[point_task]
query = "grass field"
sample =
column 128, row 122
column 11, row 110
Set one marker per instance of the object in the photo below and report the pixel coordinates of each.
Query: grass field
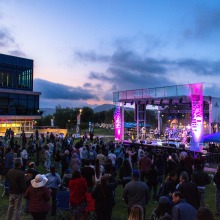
column 120, row 209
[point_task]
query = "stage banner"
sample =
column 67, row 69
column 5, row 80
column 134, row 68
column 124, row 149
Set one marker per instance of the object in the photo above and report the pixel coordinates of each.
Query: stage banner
column 118, row 125
column 197, row 116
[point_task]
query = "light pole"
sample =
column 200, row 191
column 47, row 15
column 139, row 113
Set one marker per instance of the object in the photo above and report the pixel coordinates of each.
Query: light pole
column 78, row 130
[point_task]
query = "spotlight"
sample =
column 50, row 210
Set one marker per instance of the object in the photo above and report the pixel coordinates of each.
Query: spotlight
column 132, row 102
column 161, row 101
column 180, row 100
column 170, row 101
column 152, row 102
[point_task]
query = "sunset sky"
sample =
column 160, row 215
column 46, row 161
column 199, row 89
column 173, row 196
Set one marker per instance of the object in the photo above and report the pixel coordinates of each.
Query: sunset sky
column 83, row 50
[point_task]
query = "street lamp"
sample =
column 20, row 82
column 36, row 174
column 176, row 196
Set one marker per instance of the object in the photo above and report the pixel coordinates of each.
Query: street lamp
column 78, row 130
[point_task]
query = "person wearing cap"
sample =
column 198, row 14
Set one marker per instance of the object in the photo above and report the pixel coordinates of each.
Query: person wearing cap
column 136, row 192
column 16, row 181
column 38, row 196
column 164, row 208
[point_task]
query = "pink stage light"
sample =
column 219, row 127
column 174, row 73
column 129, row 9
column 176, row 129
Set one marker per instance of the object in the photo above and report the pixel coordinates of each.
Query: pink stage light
column 117, row 123
column 197, row 114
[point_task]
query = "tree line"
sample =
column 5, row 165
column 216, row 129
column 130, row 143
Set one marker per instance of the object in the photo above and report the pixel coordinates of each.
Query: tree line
column 67, row 117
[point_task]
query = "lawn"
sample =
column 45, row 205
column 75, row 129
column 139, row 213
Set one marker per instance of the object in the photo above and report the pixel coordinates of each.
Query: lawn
column 120, row 209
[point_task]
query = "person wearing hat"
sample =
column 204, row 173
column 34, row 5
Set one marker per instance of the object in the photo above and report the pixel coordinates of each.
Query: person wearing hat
column 136, row 192
column 164, row 208
column 38, row 196
column 30, row 174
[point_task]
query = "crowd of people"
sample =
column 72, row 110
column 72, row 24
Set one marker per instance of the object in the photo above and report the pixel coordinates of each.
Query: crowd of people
column 90, row 167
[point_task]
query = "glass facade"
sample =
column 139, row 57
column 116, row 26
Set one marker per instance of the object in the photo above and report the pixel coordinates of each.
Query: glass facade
column 19, row 105
column 16, row 73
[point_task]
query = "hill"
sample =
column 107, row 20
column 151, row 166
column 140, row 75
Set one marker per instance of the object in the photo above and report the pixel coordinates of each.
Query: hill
column 104, row 107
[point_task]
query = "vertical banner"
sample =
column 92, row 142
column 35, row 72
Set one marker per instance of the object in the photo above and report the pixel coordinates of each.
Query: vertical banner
column 197, row 116
column 118, row 123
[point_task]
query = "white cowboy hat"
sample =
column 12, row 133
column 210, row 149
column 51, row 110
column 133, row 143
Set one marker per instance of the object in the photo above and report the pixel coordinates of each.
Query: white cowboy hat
column 40, row 180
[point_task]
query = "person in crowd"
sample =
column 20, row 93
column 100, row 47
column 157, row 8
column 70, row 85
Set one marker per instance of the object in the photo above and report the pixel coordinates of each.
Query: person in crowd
column 216, row 180
column 53, row 183
column 47, row 155
column 169, row 185
column 181, row 209
column 144, row 165
column 65, row 162
column 99, row 170
column 16, row 181
column 125, row 171
column 201, row 179
column 112, row 157
column 24, row 157
column 152, row 180
column 101, row 157
column 159, row 163
column 38, row 150
column 89, row 174
column 57, row 160
column 30, row 174
column 136, row 213
column 188, row 163
column 67, row 177
column 78, row 189
column 92, row 155
column 38, row 196
column 164, row 207
column 136, row 192
column 204, row 213
column 103, row 194
column 9, row 159
column 75, row 162
column 84, row 155
column 189, row 190
column 170, row 166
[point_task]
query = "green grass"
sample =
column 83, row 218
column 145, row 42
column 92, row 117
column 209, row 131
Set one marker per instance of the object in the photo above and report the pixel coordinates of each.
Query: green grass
column 120, row 209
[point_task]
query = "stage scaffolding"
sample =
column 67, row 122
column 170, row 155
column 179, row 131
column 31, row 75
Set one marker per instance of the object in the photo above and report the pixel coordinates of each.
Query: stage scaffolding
column 190, row 95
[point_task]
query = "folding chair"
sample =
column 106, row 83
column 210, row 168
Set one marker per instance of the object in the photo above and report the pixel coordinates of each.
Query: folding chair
column 63, row 209
column 90, row 209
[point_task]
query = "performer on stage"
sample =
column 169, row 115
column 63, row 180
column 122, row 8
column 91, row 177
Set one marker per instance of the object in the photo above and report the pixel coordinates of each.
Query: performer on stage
column 143, row 133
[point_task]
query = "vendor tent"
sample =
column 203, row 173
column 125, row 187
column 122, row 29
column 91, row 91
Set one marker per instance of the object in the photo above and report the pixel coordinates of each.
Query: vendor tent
column 134, row 124
column 215, row 137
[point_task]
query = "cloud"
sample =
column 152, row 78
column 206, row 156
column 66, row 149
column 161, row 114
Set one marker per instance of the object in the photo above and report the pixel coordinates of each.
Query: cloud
column 206, row 24
column 56, row 91
column 5, row 38
column 90, row 56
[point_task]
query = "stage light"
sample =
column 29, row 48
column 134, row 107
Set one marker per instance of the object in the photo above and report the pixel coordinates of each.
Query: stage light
column 170, row 101
column 139, row 102
column 132, row 102
column 180, row 100
column 161, row 101
column 162, row 115
column 152, row 102
column 183, row 115
column 147, row 101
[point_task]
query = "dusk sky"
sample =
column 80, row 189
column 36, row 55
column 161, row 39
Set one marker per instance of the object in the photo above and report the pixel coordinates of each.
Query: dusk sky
column 83, row 50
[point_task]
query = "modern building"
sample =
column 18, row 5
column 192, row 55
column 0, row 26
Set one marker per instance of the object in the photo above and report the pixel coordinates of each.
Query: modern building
column 19, row 104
